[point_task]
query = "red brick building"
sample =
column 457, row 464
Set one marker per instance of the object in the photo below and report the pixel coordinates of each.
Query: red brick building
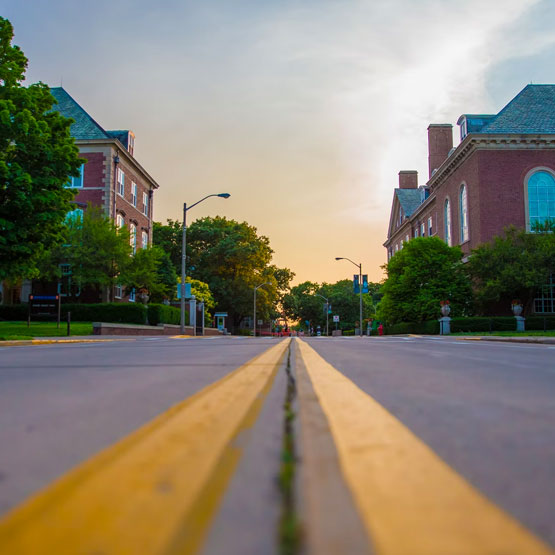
column 111, row 177
column 501, row 173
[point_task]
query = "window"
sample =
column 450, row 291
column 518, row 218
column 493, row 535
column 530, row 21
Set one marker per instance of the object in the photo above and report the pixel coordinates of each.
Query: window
column 120, row 182
column 430, row 228
column 407, row 238
column 118, row 291
column 422, row 230
column 133, row 193
column 133, row 237
column 396, row 248
column 447, row 221
column 76, row 182
column 132, row 295
column 463, row 205
column 545, row 299
column 120, row 222
column 145, row 204
column 400, row 217
column 541, row 199
column 416, row 231
column 144, row 237
column 74, row 216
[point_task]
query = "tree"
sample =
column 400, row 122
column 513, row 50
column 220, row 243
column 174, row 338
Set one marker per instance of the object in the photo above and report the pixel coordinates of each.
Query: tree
column 304, row 303
column 202, row 293
column 169, row 238
column 232, row 259
column 148, row 271
column 425, row 272
column 513, row 266
column 37, row 156
column 96, row 253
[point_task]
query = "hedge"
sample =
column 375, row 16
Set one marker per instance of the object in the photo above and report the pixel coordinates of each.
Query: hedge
column 475, row 324
column 163, row 314
column 128, row 313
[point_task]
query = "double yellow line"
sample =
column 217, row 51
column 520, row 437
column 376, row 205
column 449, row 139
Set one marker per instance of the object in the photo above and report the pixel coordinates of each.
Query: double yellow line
column 155, row 491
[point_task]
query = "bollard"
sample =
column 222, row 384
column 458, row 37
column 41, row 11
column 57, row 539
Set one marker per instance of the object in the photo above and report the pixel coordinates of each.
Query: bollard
column 69, row 323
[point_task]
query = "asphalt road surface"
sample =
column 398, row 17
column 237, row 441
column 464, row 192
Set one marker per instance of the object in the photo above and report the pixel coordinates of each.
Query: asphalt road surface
column 485, row 409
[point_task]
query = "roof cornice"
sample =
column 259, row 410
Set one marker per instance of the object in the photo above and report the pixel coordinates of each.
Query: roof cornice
column 123, row 151
column 489, row 141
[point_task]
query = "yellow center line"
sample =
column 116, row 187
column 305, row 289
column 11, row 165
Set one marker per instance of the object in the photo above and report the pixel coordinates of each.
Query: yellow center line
column 156, row 490
column 410, row 500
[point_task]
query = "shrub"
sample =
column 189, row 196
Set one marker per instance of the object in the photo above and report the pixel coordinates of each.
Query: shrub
column 14, row 312
column 163, row 314
column 430, row 327
column 117, row 313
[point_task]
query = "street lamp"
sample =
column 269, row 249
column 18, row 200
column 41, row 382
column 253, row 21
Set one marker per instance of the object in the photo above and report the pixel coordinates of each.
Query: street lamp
column 183, row 255
column 254, row 312
column 359, row 266
column 327, row 310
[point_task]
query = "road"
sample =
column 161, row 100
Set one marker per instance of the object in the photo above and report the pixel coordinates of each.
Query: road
column 457, row 430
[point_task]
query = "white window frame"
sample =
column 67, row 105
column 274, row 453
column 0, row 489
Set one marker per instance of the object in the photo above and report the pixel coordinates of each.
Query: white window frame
column 118, row 291
column 133, row 193
column 120, row 221
column 120, row 182
column 423, row 230
column 145, row 204
column 132, row 295
column 463, row 210
column 144, row 239
column 430, row 226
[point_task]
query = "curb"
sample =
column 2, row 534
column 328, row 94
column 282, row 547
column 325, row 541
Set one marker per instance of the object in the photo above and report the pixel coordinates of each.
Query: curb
column 27, row 342
column 500, row 339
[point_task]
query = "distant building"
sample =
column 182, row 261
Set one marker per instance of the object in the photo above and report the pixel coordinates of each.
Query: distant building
column 502, row 173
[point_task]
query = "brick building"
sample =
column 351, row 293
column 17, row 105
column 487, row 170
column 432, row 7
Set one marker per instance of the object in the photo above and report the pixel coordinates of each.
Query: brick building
column 501, row 173
column 111, row 177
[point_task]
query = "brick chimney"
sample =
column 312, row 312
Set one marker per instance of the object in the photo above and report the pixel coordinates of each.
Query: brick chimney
column 408, row 179
column 440, row 142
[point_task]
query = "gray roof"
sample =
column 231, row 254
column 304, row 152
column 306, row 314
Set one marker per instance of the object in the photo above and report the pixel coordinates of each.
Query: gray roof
column 530, row 111
column 84, row 126
column 409, row 199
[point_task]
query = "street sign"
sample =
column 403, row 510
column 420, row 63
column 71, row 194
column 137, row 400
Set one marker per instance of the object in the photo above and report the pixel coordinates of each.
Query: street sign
column 260, row 322
column 336, row 317
column 188, row 293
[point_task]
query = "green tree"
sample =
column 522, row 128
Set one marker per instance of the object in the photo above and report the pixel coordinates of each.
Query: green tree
column 232, row 259
column 147, row 271
column 425, row 272
column 169, row 238
column 37, row 155
column 97, row 253
column 304, row 303
column 513, row 266
column 202, row 293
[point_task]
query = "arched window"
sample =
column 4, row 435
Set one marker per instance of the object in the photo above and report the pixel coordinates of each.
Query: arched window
column 144, row 237
column 463, row 210
column 541, row 198
column 120, row 222
column 447, row 221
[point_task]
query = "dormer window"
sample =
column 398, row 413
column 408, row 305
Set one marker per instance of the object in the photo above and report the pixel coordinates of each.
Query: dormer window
column 464, row 131
column 131, row 143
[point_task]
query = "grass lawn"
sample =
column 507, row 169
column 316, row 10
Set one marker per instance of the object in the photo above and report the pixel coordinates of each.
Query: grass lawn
column 537, row 333
column 19, row 330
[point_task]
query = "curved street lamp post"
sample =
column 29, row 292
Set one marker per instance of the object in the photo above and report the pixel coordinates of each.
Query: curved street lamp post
column 254, row 311
column 359, row 266
column 183, row 256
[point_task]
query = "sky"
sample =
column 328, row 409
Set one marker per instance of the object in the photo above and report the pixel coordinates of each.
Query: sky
column 305, row 111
